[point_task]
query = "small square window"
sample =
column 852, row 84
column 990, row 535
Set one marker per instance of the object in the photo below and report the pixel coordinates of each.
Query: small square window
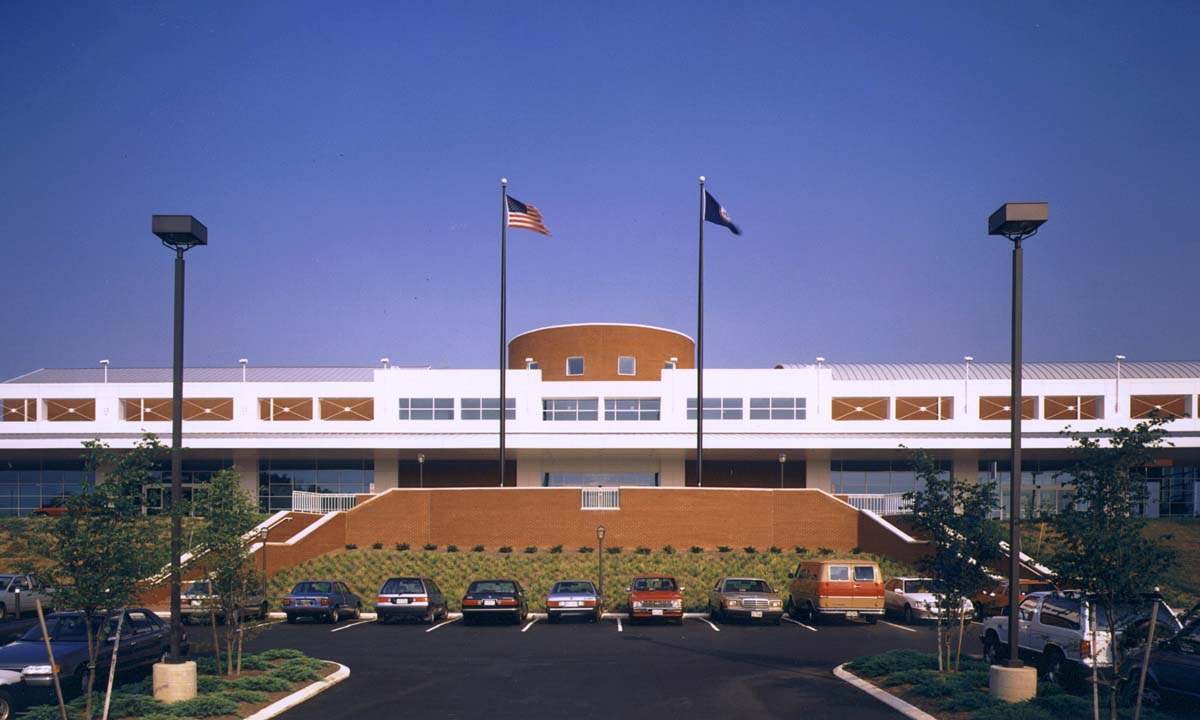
column 626, row 366
column 574, row 366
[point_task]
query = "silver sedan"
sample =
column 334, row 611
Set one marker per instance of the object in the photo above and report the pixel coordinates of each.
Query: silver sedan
column 573, row 597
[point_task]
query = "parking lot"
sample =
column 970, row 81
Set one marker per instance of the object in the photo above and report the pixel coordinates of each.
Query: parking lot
column 607, row 669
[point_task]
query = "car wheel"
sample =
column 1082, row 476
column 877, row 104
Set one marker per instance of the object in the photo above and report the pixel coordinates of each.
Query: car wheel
column 291, row 619
column 993, row 653
column 810, row 614
column 778, row 620
column 677, row 621
column 789, row 607
column 1054, row 668
column 333, row 616
column 357, row 612
column 595, row 616
column 3, row 613
column 908, row 615
column 6, row 705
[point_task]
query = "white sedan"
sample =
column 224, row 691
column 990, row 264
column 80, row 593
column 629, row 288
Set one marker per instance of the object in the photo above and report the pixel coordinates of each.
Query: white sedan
column 916, row 599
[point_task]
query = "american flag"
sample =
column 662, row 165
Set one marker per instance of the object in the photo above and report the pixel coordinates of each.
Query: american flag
column 525, row 216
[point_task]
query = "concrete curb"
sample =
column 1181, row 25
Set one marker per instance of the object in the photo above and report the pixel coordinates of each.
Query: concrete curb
column 882, row 696
column 287, row 703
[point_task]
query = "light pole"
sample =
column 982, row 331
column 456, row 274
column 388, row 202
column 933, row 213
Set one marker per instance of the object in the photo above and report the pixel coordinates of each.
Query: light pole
column 180, row 233
column 421, row 468
column 782, row 460
column 105, row 364
column 600, row 538
column 1117, row 406
column 820, row 362
column 243, row 362
column 1017, row 222
column 967, row 359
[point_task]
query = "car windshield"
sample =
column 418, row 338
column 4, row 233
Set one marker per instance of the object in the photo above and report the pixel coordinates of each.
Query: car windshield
column 573, row 587
column 493, row 586
column 200, row 587
column 318, row 588
column 752, row 586
column 919, row 586
column 400, row 586
column 67, row 628
column 654, row 584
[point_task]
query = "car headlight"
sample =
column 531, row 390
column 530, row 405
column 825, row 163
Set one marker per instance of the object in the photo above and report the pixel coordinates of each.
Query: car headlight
column 39, row 670
column 637, row 604
column 676, row 604
column 921, row 604
column 731, row 602
column 776, row 603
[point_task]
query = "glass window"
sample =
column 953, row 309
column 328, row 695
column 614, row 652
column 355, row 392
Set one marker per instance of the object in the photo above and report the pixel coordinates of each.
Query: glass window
column 487, row 409
column 864, row 573
column 839, row 573
column 626, row 365
column 669, row 365
column 778, row 408
column 585, row 479
column 1060, row 612
column 426, row 408
column 717, row 408
column 570, row 409
column 574, row 366
column 876, row 477
column 632, row 408
column 277, row 479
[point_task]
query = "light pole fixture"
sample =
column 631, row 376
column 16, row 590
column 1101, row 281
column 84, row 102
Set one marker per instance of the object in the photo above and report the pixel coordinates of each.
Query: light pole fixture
column 104, row 363
column 179, row 233
column 967, row 360
column 1117, row 405
column 421, row 468
column 386, row 363
column 820, row 363
column 600, row 591
column 782, row 461
column 1017, row 222
column 243, row 361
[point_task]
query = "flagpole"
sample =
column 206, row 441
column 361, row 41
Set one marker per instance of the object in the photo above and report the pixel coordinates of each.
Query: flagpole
column 700, row 351
column 503, row 313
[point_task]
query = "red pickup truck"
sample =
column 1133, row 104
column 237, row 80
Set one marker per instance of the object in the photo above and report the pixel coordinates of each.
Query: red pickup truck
column 653, row 596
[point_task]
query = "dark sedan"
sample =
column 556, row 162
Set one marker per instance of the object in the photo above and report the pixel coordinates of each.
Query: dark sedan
column 327, row 600
column 144, row 641
column 1171, row 676
column 494, row 598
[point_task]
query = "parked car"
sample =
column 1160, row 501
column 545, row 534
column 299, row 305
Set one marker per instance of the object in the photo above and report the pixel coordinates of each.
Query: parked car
column 994, row 600
column 653, row 596
column 494, row 598
column 917, row 599
column 749, row 598
column 1173, row 674
column 10, row 690
column 144, row 641
column 197, row 602
column 1054, row 631
column 410, row 597
column 328, row 600
column 26, row 589
column 573, row 597
column 836, row 588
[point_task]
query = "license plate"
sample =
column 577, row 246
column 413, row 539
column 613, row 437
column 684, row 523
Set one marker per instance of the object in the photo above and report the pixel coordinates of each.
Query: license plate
column 756, row 613
column 400, row 601
column 656, row 612
column 851, row 613
column 570, row 603
column 306, row 602
column 195, row 603
column 489, row 602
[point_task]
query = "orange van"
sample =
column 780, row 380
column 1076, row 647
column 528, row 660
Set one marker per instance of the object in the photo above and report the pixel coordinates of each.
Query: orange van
column 841, row 588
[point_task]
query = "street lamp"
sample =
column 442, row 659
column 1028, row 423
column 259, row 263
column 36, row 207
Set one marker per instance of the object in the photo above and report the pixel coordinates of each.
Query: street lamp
column 1117, row 406
column 1017, row 222
column 782, row 460
column 180, row 233
column 421, row 468
column 967, row 360
column 600, row 538
column 386, row 363
column 105, row 364
column 243, row 362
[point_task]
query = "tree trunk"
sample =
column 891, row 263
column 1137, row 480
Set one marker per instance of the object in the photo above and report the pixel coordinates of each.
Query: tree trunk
column 241, row 636
column 941, row 668
column 112, row 668
column 958, row 653
column 212, row 616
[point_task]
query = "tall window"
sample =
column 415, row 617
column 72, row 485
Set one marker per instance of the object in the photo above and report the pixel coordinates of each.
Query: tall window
column 26, row 486
column 574, row 366
column 632, row 408
column 626, row 365
column 278, row 478
column 487, row 409
column 778, row 408
column 426, row 408
column 570, row 409
column 717, row 408
column 871, row 477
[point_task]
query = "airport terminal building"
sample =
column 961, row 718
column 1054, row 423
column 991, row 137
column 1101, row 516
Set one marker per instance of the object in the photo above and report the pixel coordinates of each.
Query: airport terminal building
column 596, row 405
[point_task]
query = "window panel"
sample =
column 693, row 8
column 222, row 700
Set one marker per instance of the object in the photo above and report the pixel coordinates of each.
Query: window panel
column 860, row 408
column 924, row 408
column 285, row 409
column 570, row 409
column 351, row 409
column 717, row 408
column 778, row 408
column 426, row 408
column 1149, row 406
column 487, row 409
column 999, row 407
column 18, row 410
column 574, row 366
column 632, row 408
column 626, row 365
column 1073, row 407
column 71, row 410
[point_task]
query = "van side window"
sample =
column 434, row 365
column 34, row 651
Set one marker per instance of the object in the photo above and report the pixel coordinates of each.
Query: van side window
column 839, row 573
column 864, row 573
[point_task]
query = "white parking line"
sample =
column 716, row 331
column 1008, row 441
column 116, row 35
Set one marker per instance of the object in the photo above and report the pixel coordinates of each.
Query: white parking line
column 796, row 622
column 444, row 624
column 245, row 628
column 531, row 622
column 901, row 627
column 710, row 623
column 619, row 627
column 347, row 627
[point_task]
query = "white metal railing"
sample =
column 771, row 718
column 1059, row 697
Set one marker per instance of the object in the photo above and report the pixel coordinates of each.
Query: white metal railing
column 881, row 504
column 600, row 498
column 322, row 503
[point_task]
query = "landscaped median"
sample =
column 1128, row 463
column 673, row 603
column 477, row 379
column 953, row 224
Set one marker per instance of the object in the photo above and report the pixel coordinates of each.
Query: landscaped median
column 913, row 678
column 270, row 683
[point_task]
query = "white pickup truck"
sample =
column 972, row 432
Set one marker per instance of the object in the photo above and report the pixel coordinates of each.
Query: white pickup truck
column 24, row 589
column 1054, row 631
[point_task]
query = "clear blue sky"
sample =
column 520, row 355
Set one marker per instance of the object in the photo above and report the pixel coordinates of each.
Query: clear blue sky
column 347, row 162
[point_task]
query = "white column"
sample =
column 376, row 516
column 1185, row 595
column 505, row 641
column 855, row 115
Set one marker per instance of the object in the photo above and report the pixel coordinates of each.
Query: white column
column 245, row 464
column 387, row 469
column 817, row 474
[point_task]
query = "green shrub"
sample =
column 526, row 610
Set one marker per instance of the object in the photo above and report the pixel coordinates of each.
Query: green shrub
column 263, row 683
column 506, row 548
column 207, row 665
column 1064, row 706
column 971, row 701
column 893, row 661
column 430, row 547
column 824, row 551
column 750, row 549
column 294, row 673
column 585, row 549
column 613, row 550
column 910, row 677
column 205, row 706
column 253, row 662
column 451, row 548
column 668, row 550
column 530, row 549
column 856, row 550
column 723, row 548
column 145, row 686
column 246, row 696
column 801, row 550
column 641, row 550
column 1015, row 711
column 349, row 546
column 402, row 546
column 696, row 549
column 478, row 548
column 281, row 654
column 123, row 705
column 775, row 550
column 556, row 550
column 210, row 684
column 377, row 546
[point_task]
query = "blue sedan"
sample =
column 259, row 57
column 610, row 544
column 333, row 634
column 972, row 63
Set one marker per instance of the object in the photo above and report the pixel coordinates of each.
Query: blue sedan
column 328, row 600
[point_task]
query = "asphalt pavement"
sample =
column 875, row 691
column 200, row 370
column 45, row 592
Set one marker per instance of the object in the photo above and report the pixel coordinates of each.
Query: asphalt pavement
column 603, row 670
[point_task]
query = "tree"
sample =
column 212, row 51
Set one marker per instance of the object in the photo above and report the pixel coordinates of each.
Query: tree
column 103, row 544
column 222, row 539
column 1102, row 549
column 955, row 515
